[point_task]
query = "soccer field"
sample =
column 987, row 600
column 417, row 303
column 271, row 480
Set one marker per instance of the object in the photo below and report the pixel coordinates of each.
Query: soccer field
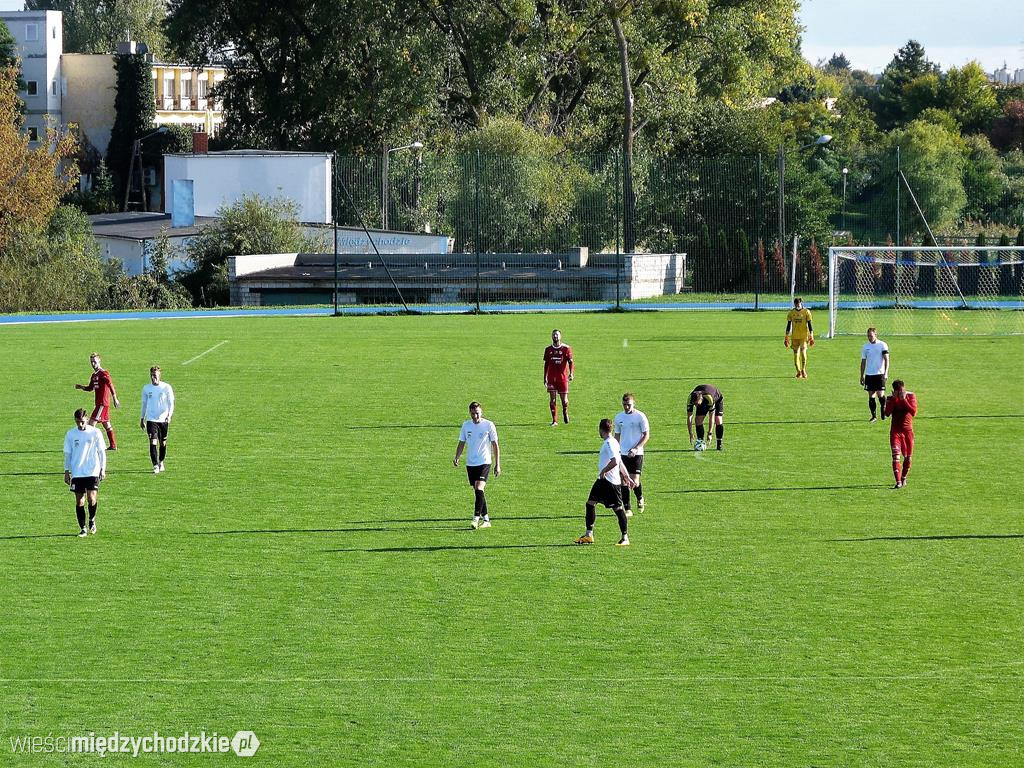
column 305, row 569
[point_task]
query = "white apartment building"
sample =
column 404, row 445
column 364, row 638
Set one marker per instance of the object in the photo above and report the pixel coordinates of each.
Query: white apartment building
column 39, row 41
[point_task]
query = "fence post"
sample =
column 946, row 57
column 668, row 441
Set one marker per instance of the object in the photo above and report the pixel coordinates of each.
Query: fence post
column 334, row 220
column 760, row 231
column 476, row 238
column 899, row 171
column 618, row 246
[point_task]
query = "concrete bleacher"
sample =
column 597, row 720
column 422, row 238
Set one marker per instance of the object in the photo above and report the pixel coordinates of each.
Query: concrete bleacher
column 576, row 275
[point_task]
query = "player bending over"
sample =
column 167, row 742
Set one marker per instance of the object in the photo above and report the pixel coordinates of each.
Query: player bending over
column 799, row 335
column 103, row 386
column 703, row 400
column 85, row 464
column 480, row 435
column 558, row 372
column 901, row 408
column 611, row 476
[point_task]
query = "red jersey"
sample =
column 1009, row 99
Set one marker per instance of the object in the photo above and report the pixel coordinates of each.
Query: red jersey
column 557, row 362
column 901, row 412
column 102, row 385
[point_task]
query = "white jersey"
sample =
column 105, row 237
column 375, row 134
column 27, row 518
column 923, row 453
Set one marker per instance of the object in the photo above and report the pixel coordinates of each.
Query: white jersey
column 874, row 354
column 478, row 439
column 610, row 450
column 630, row 427
column 157, row 402
column 85, row 454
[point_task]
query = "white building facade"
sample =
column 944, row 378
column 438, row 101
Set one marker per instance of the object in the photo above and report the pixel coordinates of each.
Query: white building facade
column 39, row 42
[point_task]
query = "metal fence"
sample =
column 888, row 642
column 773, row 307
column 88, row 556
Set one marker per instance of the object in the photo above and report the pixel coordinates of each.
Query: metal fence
column 517, row 223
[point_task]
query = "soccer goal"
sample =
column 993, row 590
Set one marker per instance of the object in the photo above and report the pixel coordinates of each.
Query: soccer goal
column 917, row 290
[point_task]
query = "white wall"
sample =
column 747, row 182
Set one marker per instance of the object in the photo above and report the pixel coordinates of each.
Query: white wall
column 133, row 254
column 225, row 178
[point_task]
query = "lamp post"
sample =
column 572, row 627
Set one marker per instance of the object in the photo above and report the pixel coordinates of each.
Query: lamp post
column 821, row 140
column 843, row 220
column 137, row 152
column 384, row 179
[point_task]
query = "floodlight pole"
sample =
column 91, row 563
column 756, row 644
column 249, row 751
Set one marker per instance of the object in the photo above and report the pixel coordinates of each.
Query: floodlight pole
column 334, row 221
column 385, row 160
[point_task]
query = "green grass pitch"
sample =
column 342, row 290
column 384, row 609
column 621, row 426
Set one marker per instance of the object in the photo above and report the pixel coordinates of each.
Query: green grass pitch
column 305, row 567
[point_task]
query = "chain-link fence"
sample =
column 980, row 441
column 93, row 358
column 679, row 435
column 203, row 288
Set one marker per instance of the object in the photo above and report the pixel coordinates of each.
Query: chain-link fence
column 561, row 228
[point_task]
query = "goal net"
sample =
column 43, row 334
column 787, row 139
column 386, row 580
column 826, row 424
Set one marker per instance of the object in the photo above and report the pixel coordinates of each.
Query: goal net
column 917, row 290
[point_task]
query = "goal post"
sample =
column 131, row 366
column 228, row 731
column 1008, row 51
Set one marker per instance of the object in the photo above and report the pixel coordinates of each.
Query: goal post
column 919, row 290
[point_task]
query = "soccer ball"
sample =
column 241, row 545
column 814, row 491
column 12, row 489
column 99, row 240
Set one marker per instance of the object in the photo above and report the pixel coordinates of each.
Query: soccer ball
column 699, row 446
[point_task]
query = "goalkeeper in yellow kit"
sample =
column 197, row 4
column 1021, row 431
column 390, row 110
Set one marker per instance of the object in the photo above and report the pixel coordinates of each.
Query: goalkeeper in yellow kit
column 799, row 335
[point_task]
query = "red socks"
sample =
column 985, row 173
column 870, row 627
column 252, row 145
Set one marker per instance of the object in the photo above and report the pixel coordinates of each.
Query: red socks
column 906, row 467
column 110, row 437
column 896, row 469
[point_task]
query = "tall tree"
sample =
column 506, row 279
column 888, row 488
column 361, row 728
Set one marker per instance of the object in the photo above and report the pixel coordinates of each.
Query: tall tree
column 97, row 26
column 969, row 98
column 32, row 181
column 910, row 62
column 134, row 114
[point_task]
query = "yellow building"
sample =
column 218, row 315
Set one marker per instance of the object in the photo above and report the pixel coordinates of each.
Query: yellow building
column 183, row 96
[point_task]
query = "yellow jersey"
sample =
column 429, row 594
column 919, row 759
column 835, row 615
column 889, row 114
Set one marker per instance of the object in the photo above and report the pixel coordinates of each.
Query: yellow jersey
column 799, row 319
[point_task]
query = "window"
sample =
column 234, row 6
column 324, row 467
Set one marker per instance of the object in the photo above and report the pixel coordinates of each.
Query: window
column 33, row 134
column 53, row 88
column 31, row 33
column 53, row 32
column 202, row 88
column 32, row 88
column 186, row 89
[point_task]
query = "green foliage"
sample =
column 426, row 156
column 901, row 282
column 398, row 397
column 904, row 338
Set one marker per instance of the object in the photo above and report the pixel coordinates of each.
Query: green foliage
column 909, row 63
column 969, row 97
column 984, row 180
column 100, row 199
column 933, row 161
column 97, row 26
column 9, row 55
column 252, row 225
column 1007, row 131
column 55, row 268
column 134, row 114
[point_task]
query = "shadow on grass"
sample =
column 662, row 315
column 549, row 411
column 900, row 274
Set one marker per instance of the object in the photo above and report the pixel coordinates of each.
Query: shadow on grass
column 918, row 418
column 61, row 473
column 38, row 536
column 453, row 425
column 290, row 530
column 783, row 488
column 949, row 537
column 448, row 548
column 3, row 453
column 712, row 378
column 465, row 519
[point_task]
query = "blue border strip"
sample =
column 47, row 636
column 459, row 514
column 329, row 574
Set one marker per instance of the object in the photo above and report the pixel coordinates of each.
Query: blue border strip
column 441, row 309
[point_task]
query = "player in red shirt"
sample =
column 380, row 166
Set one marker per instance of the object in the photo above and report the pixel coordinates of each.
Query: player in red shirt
column 558, row 372
column 901, row 408
column 103, row 386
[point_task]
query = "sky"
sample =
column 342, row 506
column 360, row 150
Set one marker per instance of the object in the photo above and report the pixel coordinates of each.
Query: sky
column 870, row 31
column 952, row 32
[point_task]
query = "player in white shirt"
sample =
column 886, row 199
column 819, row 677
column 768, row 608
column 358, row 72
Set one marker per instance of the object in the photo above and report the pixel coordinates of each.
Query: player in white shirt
column 477, row 438
column 611, row 476
column 157, row 410
column 85, row 464
column 874, row 370
column 632, row 430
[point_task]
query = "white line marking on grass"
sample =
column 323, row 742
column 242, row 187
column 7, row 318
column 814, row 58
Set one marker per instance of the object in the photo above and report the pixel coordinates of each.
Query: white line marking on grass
column 221, row 344
column 989, row 671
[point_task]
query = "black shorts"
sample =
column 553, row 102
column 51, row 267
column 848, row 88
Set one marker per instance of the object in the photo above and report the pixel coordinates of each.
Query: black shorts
column 479, row 472
column 719, row 409
column 874, row 382
column 633, row 464
column 82, row 484
column 605, row 493
column 157, row 430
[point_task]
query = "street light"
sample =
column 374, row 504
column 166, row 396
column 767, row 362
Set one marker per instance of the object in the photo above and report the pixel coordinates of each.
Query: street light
column 384, row 179
column 825, row 138
column 137, row 152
